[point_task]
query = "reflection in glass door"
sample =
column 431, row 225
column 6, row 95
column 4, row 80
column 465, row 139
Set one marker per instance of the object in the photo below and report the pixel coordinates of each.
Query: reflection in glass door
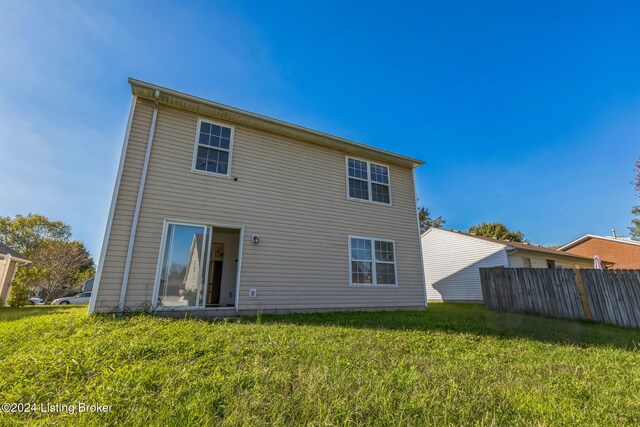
column 184, row 266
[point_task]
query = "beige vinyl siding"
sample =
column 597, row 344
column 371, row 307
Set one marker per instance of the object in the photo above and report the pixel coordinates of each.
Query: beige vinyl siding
column 7, row 272
column 108, row 292
column 291, row 193
column 452, row 263
column 539, row 260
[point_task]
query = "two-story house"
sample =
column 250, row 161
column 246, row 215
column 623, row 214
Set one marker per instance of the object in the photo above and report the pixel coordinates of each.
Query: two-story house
column 220, row 211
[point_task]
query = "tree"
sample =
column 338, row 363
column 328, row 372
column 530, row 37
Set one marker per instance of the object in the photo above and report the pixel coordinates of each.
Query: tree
column 634, row 230
column 23, row 233
column 426, row 221
column 21, row 287
column 496, row 230
column 635, row 227
column 54, row 256
column 59, row 264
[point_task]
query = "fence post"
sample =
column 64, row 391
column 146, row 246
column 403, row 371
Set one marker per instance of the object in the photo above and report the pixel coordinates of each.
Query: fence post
column 583, row 293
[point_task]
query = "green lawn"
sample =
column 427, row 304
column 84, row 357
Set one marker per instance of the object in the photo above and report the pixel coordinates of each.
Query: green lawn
column 449, row 365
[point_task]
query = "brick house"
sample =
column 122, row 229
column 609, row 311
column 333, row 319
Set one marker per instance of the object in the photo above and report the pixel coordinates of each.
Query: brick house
column 622, row 251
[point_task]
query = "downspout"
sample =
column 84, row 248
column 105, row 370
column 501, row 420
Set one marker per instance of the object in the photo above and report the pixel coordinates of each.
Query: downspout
column 510, row 250
column 136, row 212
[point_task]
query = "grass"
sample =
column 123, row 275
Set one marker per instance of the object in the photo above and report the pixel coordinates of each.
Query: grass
column 449, row 365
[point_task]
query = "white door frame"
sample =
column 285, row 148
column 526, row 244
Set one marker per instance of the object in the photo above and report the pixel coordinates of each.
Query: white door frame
column 161, row 253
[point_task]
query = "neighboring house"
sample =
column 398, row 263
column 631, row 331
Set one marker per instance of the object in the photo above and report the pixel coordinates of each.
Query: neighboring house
column 258, row 213
column 10, row 260
column 87, row 286
column 452, row 262
column 622, row 251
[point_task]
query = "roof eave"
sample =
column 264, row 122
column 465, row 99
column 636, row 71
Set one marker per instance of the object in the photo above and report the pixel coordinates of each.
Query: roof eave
column 593, row 236
column 575, row 242
column 560, row 254
column 202, row 106
column 15, row 258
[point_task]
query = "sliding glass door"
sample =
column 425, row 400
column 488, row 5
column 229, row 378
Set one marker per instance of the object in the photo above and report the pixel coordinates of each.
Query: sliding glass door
column 184, row 265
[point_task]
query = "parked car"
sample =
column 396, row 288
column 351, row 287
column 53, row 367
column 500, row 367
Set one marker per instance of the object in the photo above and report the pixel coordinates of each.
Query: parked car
column 35, row 301
column 82, row 298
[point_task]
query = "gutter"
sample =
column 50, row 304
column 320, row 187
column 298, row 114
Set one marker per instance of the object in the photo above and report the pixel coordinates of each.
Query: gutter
column 269, row 121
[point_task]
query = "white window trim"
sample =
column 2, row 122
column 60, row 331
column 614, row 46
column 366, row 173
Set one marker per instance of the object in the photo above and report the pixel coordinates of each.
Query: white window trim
column 374, row 278
column 156, row 284
column 197, row 144
column 368, row 162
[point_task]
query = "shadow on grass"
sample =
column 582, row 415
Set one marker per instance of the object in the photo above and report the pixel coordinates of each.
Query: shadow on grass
column 471, row 319
column 451, row 318
column 17, row 313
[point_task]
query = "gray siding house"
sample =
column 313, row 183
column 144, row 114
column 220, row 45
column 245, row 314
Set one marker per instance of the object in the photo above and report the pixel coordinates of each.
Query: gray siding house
column 220, row 211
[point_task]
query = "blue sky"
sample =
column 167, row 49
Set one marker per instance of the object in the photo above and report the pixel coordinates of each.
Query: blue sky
column 525, row 113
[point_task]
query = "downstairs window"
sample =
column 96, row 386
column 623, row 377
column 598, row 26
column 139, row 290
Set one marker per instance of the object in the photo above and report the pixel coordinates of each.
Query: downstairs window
column 372, row 262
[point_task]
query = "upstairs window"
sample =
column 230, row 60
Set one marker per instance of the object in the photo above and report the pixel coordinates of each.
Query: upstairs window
column 213, row 148
column 368, row 181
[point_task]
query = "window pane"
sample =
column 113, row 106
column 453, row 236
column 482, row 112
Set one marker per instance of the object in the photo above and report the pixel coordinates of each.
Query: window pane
column 212, row 167
column 223, row 162
column 380, row 193
column 202, row 152
column 379, row 174
column 201, row 163
column 361, row 272
column 384, row 251
column 213, row 155
column 214, row 135
column 212, row 160
column 385, row 274
column 357, row 169
column 214, row 141
column 361, row 249
column 222, row 168
column 204, row 138
column 181, row 267
column 358, row 189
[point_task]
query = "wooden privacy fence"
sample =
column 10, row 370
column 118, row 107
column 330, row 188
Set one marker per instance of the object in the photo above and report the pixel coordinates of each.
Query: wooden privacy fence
column 608, row 296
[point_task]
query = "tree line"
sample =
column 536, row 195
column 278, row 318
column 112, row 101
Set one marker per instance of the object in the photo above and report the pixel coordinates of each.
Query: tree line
column 634, row 230
column 59, row 265
column 494, row 230
column 500, row 231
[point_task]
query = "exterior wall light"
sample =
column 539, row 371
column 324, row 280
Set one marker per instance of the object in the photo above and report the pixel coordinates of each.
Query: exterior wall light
column 255, row 239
